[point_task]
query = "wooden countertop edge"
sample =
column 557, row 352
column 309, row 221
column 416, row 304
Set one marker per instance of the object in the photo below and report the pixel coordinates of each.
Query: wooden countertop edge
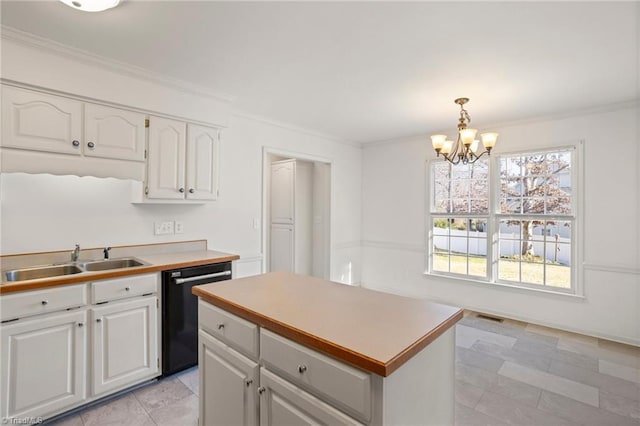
column 12, row 287
column 336, row 351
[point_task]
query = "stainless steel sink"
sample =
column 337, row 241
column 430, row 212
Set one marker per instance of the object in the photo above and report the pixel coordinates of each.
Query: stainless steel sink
column 104, row 265
column 41, row 272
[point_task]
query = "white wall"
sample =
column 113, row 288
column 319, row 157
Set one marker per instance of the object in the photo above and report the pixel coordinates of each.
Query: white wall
column 394, row 227
column 43, row 212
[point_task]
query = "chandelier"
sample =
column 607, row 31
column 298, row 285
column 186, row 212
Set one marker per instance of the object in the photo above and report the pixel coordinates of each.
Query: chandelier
column 465, row 149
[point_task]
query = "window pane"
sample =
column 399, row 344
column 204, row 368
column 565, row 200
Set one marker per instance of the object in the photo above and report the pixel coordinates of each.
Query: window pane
column 509, row 269
column 440, row 261
column 532, row 272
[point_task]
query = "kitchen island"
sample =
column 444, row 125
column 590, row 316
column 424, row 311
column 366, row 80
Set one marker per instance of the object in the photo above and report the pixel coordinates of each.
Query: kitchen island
column 281, row 348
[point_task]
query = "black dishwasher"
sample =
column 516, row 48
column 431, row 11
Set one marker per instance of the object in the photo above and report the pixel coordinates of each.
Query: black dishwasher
column 180, row 313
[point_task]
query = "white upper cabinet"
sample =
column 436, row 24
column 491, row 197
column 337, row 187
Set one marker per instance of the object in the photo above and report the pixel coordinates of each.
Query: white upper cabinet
column 202, row 163
column 183, row 161
column 282, row 191
column 113, row 133
column 166, row 162
column 40, row 122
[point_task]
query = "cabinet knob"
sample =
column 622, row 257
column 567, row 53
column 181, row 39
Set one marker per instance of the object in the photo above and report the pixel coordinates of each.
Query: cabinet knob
column 127, row 288
column 191, row 190
column 302, row 368
column 45, row 302
column 220, row 326
column 98, row 319
column 80, row 324
column 248, row 382
column 181, row 189
column 261, row 390
column 75, row 143
column 91, row 145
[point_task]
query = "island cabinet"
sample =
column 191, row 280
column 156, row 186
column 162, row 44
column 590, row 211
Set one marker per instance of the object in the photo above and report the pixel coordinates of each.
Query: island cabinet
column 281, row 348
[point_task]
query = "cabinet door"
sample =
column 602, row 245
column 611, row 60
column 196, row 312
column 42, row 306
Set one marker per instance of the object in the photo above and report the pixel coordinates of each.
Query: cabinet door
column 282, row 192
column 281, row 253
column 282, row 403
column 202, row 163
column 113, row 133
column 43, row 364
column 165, row 165
column 125, row 343
column 228, row 385
column 35, row 121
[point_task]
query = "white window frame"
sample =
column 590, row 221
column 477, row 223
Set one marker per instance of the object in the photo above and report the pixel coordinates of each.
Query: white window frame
column 494, row 217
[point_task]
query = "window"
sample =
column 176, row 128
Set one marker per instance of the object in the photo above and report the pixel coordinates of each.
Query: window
column 511, row 220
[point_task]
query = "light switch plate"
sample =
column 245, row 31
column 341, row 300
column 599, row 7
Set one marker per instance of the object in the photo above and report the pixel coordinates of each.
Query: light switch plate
column 178, row 227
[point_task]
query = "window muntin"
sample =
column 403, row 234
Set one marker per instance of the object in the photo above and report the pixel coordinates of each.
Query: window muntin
column 532, row 222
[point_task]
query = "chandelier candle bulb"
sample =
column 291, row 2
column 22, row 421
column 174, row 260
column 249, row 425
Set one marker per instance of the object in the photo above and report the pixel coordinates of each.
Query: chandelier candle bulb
column 468, row 135
column 489, row 139
column 438, row 141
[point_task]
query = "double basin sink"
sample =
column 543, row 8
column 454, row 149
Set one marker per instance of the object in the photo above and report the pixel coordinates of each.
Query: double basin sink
column 50, row 271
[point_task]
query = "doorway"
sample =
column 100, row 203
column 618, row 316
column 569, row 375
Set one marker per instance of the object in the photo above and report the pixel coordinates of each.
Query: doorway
column 296, row 213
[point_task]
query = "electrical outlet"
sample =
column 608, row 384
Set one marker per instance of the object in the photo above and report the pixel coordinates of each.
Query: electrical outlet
column 163, row 228
column 178, row 227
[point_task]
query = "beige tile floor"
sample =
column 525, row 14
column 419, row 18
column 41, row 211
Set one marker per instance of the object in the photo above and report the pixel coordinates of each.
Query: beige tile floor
column 509, row 373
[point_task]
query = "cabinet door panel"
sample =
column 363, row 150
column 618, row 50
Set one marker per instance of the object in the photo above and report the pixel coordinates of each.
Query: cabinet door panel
column 124, row 343
column 282, row 192
column 228, row 385
column 35, row 121
column 281, row 248
column 114, row 133
column 166, row 160
column 202, row 163
column 43, row 364
column 285, row 404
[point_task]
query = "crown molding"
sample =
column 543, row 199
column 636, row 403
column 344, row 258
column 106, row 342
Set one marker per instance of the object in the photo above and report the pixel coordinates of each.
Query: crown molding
column 49, row 46
column 601, row 109
column 297, row 129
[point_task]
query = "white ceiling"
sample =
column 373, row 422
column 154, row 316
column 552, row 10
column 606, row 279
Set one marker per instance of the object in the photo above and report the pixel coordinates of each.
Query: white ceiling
column 368, row 71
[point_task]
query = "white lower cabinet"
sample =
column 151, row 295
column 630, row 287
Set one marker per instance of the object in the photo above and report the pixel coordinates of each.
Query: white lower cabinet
column 282, row 403
column 43, row 364
column 242, row 383
column 229, row 384
column 125, row 343
column 59, row 352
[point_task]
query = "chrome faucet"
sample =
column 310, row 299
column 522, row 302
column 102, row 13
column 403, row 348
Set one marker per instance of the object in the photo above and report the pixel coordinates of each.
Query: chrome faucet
column 106, row 252
column 75, row 253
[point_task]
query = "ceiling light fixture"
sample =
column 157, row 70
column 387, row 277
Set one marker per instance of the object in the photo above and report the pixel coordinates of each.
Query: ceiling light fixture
column 91, row 5
column 465, row 149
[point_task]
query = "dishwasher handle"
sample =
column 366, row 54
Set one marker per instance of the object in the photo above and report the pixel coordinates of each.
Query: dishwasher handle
column 202, row 277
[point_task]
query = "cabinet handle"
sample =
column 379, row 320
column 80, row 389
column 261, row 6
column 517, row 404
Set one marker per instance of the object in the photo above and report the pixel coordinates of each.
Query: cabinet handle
column 220, row 326
column 191, row 190
column 91, row 145
column 45, row 302
column 261, row 390
column 75, row 143
column 127, row 288
column 98, row 319
column 181, row 189
column 248, row 382
column 302, row 368
column 80, row 324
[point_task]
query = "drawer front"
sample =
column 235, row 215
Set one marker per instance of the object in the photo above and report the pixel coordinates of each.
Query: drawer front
column 231, row 329
column 121, row 288
column 28, row 303
column 344, row 386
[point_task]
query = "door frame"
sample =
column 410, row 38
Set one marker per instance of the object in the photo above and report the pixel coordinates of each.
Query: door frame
column 267, row 152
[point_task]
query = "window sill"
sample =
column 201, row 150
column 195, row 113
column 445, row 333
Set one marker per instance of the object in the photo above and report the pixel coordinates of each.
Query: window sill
column 508, row 287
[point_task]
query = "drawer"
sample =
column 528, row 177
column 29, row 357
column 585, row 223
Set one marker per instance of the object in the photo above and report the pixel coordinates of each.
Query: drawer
column 121, row 288
column 28, row 303
column 231, row 329
column 344, row 386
